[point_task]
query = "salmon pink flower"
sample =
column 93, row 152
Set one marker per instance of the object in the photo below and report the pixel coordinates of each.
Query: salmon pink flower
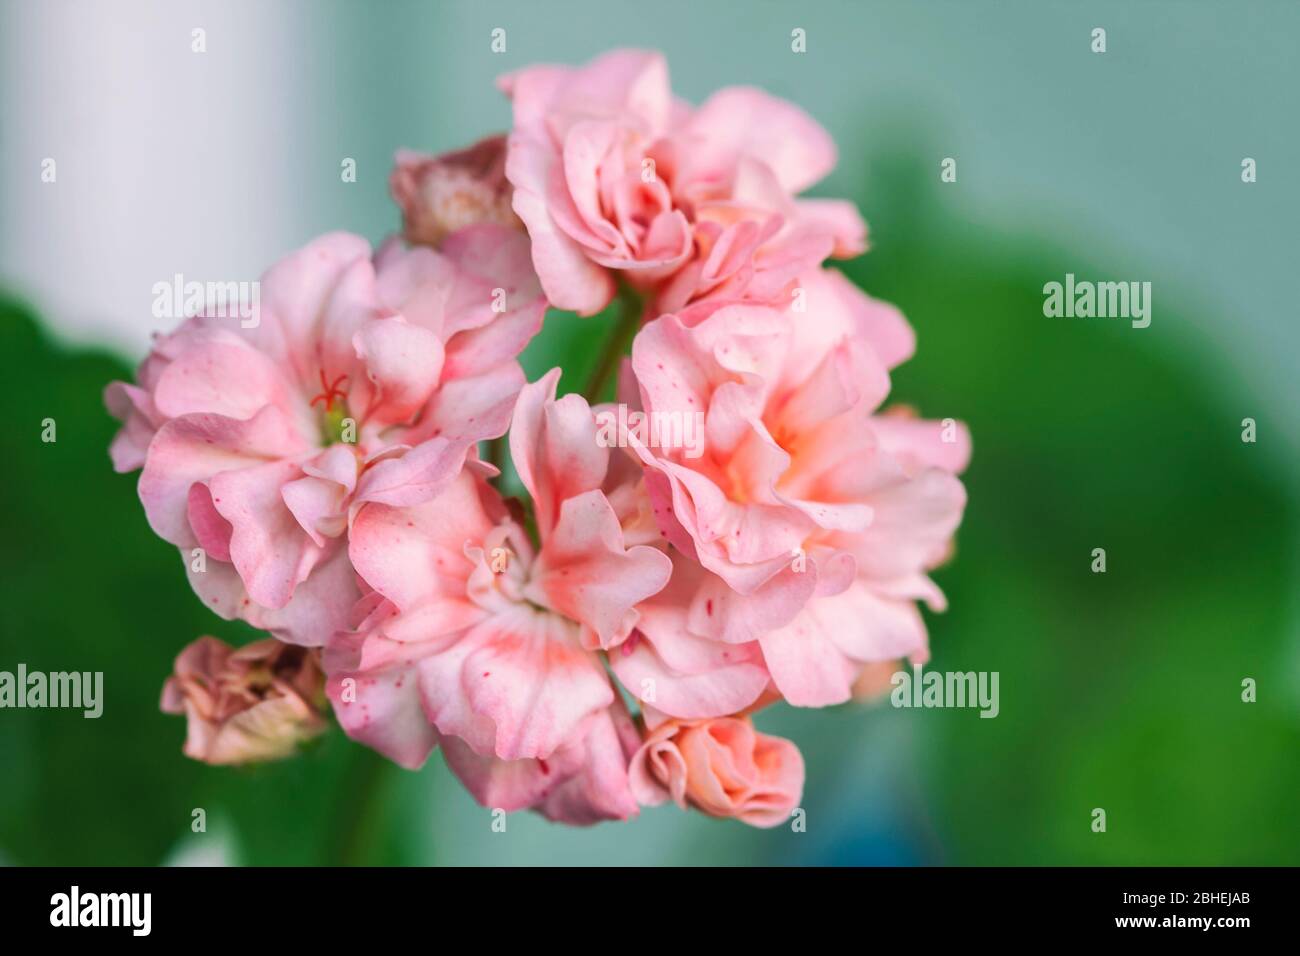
column 747, row 524
column 362, row 380
column 614, row 178
column 816, row 517
column 470, row 632
column 254, row 703
column 721, row 766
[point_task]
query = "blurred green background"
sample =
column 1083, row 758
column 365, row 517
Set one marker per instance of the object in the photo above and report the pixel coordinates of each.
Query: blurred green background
column 1119, row 690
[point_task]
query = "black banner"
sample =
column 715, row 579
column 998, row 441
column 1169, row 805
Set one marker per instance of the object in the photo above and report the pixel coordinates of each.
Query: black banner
column 327, row 905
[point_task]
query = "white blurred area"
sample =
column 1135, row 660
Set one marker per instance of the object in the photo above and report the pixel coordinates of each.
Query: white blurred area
column 167, row 160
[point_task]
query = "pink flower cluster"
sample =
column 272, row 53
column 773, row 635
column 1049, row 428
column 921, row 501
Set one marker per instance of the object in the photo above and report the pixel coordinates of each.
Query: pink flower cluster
column 604, row 643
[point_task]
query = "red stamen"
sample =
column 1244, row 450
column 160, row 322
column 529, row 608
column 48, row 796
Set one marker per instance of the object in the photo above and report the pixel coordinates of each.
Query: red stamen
column 330, row 391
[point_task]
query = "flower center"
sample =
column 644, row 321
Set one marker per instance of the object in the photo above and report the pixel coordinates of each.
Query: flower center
column 335, row 417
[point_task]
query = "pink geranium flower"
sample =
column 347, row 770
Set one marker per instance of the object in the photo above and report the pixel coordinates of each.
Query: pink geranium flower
column 816, row 518
column 614, row 178
column 363, row 380
column 603, row 644
column 472, row 633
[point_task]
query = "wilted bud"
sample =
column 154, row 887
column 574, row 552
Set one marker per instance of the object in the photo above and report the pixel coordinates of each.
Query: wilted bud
column 440, row 194
column 243, row 706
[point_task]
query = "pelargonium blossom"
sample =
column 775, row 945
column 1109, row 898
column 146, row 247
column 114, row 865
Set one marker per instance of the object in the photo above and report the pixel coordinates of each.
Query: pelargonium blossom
column 363, row 379
column 605, row 642
column 617, row 180
column 471, row 632
column 799, row 474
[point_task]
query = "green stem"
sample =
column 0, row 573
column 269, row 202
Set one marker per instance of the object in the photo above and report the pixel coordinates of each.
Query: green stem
column 617, row 345
column 355, row 816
